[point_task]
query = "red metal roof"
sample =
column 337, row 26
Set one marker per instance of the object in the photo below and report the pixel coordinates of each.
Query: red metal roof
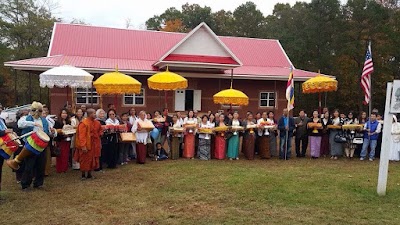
column 137, row 50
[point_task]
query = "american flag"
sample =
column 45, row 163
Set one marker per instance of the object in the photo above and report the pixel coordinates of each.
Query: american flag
column 366, row 75
column 290, row 90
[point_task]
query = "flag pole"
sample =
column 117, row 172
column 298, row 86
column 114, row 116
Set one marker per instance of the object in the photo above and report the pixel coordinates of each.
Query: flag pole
column 370, row 95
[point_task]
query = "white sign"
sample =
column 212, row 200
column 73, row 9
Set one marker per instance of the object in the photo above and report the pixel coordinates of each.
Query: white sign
column 395, row 103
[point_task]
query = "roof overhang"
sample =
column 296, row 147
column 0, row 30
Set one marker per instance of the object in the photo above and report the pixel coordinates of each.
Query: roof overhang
column 265, row 77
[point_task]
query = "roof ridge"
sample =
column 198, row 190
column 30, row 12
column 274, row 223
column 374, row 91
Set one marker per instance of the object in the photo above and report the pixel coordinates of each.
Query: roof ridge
column 158, row 31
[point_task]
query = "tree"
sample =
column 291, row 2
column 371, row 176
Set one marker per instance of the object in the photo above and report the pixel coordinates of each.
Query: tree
column 25, row 30
column 223, row 23
column 194, row 14
column 174, row 26
column 158, row 22
column 248, row 21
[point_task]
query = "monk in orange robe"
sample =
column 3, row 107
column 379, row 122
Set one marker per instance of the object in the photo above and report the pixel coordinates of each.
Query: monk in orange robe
column 88, row 144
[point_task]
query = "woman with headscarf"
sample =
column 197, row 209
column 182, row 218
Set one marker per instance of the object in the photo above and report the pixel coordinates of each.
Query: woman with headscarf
column 101, row 117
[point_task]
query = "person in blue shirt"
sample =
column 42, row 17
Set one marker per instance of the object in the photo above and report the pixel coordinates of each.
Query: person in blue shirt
column 372, row 128
column 286, row 127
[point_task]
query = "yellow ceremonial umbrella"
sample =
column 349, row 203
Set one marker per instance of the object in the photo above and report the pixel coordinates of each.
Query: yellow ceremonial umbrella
column 231, row 96
column 116, row 83
column 319, row 84
column 167, row 81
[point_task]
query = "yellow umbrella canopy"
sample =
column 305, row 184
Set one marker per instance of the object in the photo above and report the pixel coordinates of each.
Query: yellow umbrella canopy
column 319, row 84
column 167, row 81
column 231, row 96
column 117, row 83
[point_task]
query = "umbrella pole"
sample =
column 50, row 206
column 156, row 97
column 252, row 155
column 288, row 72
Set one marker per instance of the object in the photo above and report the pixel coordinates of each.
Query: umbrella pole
column 67, row 95
column 326, row 96
column 72, row 98
column 319, row 103
column 91, row 96
column 115, row 102
column 166, row 99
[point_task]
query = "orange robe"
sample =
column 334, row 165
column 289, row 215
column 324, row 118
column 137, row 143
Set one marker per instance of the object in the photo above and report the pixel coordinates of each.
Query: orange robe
column 88, row 135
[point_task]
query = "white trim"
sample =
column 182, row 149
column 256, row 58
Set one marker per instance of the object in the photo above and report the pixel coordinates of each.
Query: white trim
column 87, row 96
column 134, row 98
column 275, row 99
column 149, row 73
column 51, row 40
column 284, row 52
column 195, row 65
column 213, row 35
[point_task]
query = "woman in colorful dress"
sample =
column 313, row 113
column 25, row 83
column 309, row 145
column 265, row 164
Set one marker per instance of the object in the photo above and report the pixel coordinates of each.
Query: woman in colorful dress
column 249, row 137
column 157, row 121
column 233, row 141
column 336, row 148
column 220, row 142
column 175, row 138
column 204, row 150
column 141, row 138
column 264, row 135
column 75, row 121
column 272, row 135
column 132, row 118
column 349, row 146
column 362, row 120
column 326, row 120
column 212, row 120
column 63, row 142
column 124, row 147
column 189, row 139
column 112, row 149
column 315, row 135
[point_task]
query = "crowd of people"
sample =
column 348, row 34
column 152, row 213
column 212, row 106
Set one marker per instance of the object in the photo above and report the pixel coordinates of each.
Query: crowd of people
column 96, row 142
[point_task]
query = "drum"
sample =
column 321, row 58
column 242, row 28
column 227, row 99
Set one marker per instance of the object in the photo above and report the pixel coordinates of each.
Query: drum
column 9, row 144
column 37, row 142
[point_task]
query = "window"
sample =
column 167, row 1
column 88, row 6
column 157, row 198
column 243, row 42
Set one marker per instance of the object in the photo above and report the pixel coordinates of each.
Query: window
column 84, row 96
column 134, row 99
column 267, row 99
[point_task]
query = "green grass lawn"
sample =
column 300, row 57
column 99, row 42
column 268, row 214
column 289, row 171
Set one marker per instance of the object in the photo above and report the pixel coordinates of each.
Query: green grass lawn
column 299, row 191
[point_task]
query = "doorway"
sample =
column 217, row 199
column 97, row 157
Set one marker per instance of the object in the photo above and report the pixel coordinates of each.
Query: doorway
column 189, row 99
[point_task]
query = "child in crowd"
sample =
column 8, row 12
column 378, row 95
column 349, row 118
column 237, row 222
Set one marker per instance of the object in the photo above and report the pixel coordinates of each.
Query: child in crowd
column 161, row 154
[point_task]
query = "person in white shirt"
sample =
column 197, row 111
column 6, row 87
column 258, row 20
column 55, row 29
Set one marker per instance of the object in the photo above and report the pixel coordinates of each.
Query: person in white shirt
column 395, row 141
column 141, row 137
column 189, row 123
column 176, row 138
column 204, row 150
column 264, row 133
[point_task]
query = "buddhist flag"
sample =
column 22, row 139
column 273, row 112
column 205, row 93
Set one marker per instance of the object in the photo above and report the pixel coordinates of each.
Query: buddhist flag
column 290, row 90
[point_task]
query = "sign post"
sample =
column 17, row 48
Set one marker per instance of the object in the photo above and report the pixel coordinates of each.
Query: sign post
column 386, row 140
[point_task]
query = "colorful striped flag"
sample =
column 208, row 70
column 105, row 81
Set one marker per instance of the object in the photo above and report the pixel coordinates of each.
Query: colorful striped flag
column 290, row 90
column 366, row 75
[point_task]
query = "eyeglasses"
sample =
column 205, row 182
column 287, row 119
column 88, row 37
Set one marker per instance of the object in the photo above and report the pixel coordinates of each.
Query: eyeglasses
column 111, row 114
column 34, row 110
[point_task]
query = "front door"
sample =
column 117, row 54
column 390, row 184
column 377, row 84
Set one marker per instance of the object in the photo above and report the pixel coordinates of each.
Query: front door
column 186, row 100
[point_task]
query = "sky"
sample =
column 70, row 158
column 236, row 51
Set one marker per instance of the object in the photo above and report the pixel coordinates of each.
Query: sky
column 115, row 13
